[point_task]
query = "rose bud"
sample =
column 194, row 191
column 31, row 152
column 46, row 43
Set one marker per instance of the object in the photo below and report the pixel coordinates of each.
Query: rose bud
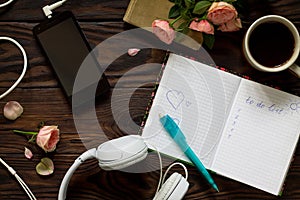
column 12, row 110
column 221, row 12
column 163, row 30
column 47, row 138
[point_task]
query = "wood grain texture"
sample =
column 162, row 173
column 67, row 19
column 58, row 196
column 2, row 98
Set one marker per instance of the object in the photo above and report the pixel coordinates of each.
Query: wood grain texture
column 43, row 100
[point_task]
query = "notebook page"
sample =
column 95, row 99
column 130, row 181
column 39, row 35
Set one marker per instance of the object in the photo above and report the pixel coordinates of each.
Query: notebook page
column 260, row 137
column 196, row 96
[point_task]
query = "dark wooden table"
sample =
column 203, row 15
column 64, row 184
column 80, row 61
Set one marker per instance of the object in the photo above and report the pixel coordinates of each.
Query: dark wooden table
column 43, row 100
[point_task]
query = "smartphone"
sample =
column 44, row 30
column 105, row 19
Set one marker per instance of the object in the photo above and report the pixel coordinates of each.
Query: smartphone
column 66, row 47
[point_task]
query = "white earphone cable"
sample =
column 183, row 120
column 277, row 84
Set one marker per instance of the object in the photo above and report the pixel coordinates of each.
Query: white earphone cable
column 161, row 177
column 160, row 168
column 176, row 163
column 10, row 169
column 21, row 182
column 24, row 66
column 6, row 3
column 25, row 187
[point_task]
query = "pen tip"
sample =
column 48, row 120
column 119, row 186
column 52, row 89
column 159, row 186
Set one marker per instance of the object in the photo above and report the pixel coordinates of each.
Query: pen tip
column 216, row 187
column 160, row 115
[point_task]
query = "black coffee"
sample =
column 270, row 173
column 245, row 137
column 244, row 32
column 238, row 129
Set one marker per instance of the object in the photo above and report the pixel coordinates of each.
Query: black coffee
column 271, row 44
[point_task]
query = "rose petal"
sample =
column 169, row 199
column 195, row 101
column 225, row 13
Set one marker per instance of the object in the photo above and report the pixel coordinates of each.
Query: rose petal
column 45, row 167
column 28, row 154
column 12, row 110
column 133, row 51
column 202, row 26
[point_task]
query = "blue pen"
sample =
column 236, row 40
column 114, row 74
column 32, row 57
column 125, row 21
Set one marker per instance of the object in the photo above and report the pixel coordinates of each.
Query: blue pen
column 177, row 135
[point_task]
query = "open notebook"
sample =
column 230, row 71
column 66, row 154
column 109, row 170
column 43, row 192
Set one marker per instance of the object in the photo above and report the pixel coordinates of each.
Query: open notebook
column 239, row 128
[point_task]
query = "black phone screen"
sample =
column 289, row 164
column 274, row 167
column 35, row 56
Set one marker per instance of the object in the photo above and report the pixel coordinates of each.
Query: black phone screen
column 66, row 47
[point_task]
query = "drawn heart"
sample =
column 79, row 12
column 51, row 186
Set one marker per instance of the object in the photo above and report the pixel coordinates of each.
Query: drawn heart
column 175, row 98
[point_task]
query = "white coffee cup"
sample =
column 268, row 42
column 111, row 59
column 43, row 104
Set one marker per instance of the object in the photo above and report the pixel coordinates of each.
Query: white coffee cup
column 250, row 51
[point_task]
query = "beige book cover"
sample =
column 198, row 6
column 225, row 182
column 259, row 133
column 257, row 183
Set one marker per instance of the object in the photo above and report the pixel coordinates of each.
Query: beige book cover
column 142, row 13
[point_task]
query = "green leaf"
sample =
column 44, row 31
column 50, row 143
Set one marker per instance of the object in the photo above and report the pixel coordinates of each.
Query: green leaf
column 184, row 27
column 186, row 14
column 208, row 40
column 189, row 3
column 174, row 12
column 179, row 2
column 201, row 7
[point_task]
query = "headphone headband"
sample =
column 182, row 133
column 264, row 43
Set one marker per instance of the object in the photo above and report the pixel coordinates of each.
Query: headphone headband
column 89, row 154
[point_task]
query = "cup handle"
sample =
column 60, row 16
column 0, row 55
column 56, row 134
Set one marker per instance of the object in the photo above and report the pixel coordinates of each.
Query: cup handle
column 295, row 69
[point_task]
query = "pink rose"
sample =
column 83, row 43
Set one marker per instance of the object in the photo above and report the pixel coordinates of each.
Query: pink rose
column 233, row 25
column 162, row 29
column 202, row 26
column 221, row 12
column 47, row 138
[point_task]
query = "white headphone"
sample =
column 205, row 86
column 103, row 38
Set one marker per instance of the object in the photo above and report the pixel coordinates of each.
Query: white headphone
column 123, row 152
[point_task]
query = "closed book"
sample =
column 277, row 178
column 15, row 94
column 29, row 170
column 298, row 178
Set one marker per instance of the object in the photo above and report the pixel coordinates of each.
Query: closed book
column 142, row 13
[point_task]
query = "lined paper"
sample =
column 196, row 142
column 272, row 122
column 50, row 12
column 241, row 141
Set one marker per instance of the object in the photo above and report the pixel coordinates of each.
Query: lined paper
column 197, row 97
column 260, row 136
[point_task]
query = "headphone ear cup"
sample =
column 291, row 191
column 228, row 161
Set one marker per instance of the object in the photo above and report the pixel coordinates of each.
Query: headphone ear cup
column 174, row 188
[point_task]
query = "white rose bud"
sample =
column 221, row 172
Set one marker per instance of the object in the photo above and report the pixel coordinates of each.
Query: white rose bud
column 12, row 110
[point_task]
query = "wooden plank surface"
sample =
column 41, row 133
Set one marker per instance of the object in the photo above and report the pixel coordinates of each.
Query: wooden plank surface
column 43, row 100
